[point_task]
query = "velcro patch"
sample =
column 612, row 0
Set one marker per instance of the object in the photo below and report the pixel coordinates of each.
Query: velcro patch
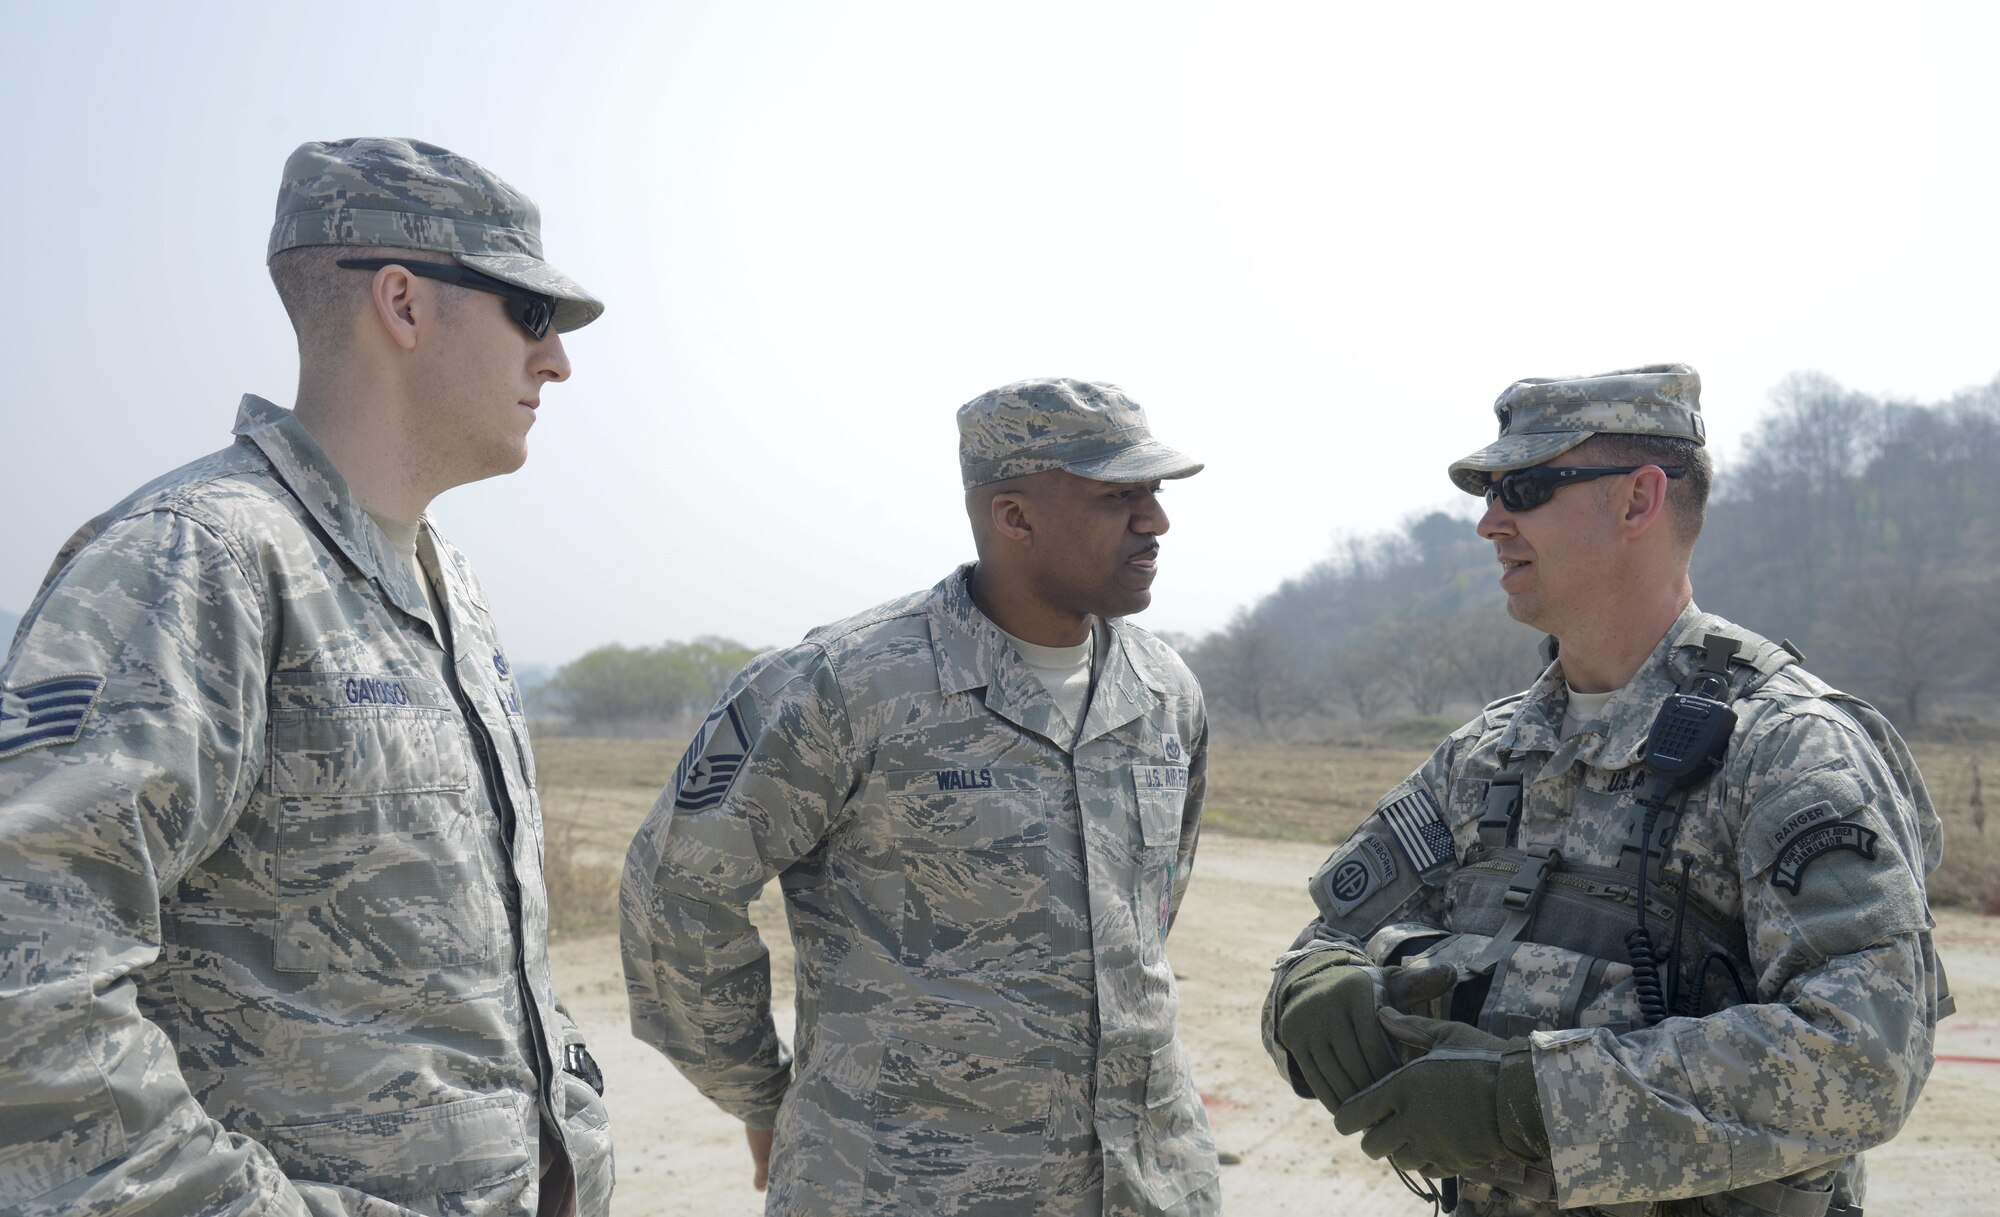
column 1350, row 881
column 1799, row 821
column 48, row 712
column 1815, row 842
column 1420, row 829
column 1348, row 884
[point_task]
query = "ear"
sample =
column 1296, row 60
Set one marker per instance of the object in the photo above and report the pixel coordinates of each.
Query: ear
column 1645, row 503
column 397, row 299
column 1008, row 518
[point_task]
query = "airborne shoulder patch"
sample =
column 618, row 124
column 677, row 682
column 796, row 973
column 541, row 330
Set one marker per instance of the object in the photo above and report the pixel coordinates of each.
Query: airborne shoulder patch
column 1348, row 880
column 48, row 712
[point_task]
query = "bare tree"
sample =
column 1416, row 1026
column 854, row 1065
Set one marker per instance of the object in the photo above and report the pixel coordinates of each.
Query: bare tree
column 1415, row 651
column 1362, row 680
column 1491, row 654
column 1255, row 668
column 1906, row 631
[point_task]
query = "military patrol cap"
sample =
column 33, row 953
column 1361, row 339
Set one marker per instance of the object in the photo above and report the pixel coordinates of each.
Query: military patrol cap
column 1092, row 430
column 407, row 194
column 1544, row 418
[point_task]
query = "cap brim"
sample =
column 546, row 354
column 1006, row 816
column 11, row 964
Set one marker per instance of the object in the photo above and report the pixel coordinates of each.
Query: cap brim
column 1146, row 461
column 1511, row 452
column 575, row 307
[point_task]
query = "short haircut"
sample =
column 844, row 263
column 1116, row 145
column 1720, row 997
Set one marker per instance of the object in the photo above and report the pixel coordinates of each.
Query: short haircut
column 321, row 297
column 1687, row 495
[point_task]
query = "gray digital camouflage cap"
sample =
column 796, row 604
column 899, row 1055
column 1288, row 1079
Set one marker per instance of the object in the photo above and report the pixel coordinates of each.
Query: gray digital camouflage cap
column 1092, row 430
column 1541, row 419
column 407, row 194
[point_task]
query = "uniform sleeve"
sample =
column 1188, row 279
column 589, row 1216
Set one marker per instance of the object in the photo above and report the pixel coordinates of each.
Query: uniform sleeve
column 1368, row 890
column 131, row 732
column 1828, row 1058
column 761, row 785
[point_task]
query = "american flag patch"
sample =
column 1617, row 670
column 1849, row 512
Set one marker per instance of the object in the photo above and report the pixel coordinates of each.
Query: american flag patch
column 50, row 711
column 1420, row 829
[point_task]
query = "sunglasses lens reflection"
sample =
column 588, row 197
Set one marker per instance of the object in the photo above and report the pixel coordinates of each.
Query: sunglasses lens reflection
column 1524, row 491
column 534, row 313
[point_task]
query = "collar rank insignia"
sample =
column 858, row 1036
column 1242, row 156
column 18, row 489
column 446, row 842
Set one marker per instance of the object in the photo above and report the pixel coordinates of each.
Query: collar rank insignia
column 47, row 712
column 510, row 694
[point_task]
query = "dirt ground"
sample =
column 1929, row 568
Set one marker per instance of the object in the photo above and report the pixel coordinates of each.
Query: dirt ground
column 679, row 1155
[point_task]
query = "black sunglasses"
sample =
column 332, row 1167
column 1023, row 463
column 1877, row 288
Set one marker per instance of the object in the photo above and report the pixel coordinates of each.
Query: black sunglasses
column 1526, row 489
column 533, row 311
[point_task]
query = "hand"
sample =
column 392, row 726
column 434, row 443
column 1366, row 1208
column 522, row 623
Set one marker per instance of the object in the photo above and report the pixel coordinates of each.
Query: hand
column 1469, row 1100
column 1327, row 1020
column 760, row 1155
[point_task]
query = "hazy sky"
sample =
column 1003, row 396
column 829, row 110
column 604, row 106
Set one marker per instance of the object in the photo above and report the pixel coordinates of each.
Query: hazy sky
column 1315, row 241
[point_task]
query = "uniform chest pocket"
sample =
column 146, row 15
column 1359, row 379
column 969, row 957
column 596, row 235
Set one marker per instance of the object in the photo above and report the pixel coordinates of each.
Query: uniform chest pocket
column 1162, row 791
column 1162, row 796
column 973, row 849
column 384, row 858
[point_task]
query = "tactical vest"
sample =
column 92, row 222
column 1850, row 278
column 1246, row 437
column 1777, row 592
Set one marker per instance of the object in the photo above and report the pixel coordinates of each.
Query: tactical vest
column 1542, row 943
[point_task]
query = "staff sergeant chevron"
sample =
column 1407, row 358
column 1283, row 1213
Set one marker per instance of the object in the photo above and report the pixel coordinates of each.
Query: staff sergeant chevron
column 47, row 712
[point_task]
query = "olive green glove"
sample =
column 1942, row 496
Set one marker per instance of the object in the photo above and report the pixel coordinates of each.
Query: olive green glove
column 1327, row 1020
column 1470, row 1099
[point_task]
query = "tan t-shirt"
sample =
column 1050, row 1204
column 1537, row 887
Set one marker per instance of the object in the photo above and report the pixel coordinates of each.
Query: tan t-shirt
column 404, row 538
column 1063, row 671
column 1582, row 708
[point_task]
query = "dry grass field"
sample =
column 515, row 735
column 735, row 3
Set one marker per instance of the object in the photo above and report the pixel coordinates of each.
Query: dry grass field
column 596, row 791
column 1273, row 811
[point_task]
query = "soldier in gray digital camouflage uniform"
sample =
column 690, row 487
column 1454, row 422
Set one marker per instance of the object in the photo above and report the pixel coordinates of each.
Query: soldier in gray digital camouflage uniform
column 982, row 802
column 1774, row 1019
column 273, row 936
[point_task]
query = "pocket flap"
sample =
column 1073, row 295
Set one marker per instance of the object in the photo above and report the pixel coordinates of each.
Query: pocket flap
column 370, row 752
column 968, row 809
column 437, row 1150
column 923, row 1076
column 1162, row 791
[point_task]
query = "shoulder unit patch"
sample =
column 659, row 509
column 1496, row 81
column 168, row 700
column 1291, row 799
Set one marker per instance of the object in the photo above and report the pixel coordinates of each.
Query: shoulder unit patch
column 1811, row 844
column 47, row 712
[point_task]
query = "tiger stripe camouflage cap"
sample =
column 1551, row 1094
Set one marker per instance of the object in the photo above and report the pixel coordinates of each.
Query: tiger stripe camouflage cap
column 1541, row 419
column 1093, row 430
column 407, row 194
